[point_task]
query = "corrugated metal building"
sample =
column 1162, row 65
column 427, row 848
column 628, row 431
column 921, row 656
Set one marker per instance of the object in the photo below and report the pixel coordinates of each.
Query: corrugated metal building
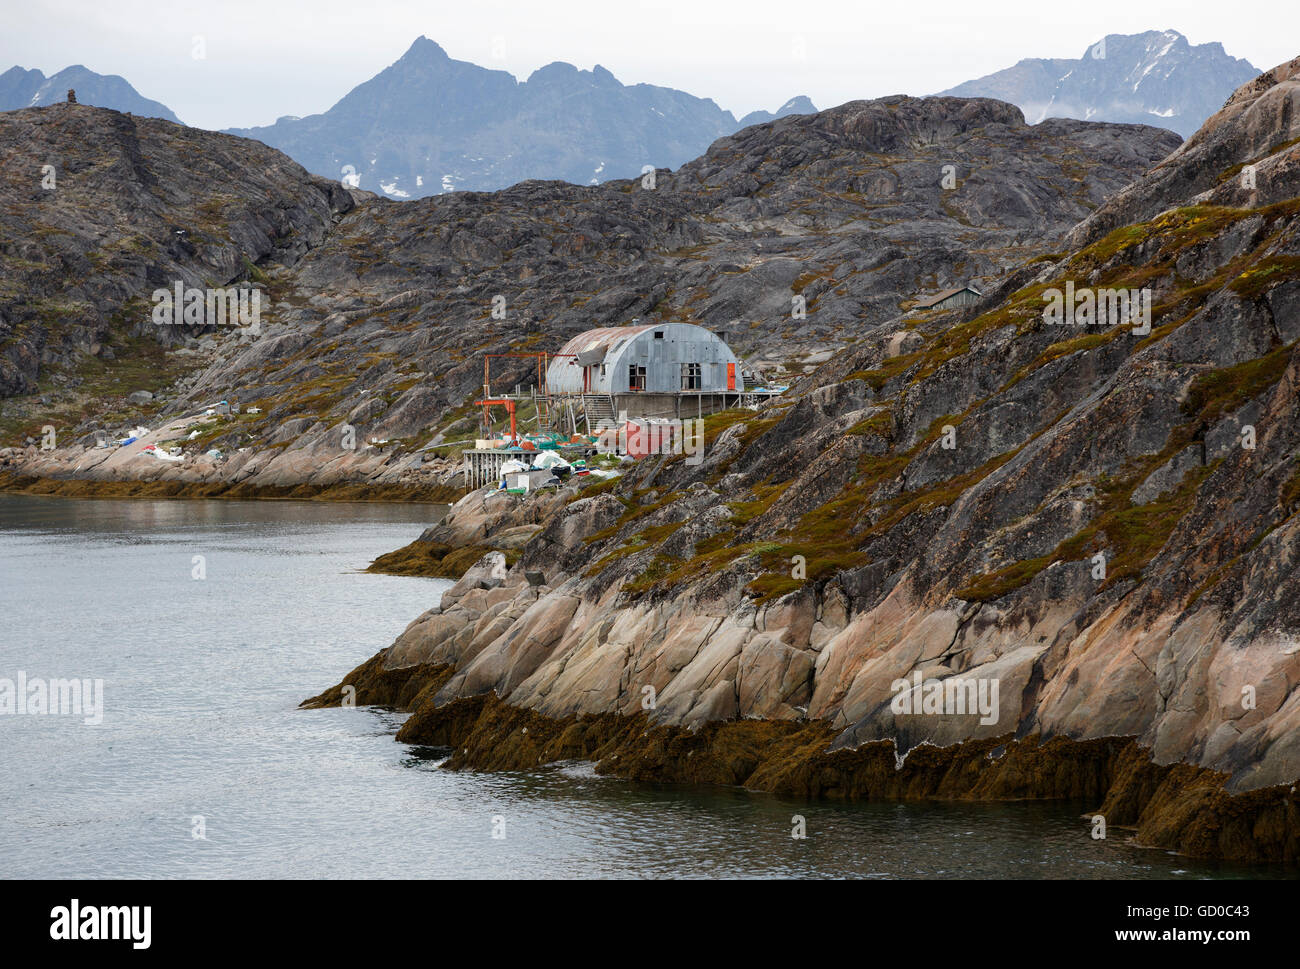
column 657, row 358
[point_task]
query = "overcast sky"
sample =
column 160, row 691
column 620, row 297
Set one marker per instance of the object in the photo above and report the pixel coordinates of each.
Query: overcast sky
column 267, row 58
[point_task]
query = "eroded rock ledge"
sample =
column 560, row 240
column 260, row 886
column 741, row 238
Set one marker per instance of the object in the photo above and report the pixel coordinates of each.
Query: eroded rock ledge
column 1178, row 807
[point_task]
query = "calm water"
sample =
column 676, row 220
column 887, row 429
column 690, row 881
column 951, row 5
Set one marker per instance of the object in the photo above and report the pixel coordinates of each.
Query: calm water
column 202, row 678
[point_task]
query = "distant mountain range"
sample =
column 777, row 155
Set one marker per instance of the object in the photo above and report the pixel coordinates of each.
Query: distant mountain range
column 430, row 124
column 1155, row 78
column 21, row 88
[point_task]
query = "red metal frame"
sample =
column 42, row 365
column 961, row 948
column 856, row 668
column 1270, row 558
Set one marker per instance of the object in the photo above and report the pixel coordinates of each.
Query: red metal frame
column 487, row 403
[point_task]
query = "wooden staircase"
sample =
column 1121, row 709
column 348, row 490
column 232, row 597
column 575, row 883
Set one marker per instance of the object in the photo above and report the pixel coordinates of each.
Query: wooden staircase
column 597, row 408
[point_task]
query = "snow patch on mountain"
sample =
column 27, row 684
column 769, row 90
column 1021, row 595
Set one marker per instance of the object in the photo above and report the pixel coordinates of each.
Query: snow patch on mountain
column 1125, row 78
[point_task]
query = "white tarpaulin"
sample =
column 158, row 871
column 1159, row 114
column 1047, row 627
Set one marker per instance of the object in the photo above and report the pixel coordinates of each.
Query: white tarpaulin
column 550, row 459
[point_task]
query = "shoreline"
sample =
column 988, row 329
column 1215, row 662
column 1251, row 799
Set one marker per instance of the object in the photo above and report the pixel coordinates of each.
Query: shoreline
column 37, row 486
column 1175, row 807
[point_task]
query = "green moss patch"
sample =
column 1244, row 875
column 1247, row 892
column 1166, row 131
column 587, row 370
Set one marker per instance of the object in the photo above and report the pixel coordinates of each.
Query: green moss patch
column 435, row 559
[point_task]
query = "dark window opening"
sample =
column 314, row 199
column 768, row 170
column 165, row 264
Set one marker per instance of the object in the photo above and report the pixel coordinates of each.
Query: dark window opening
column 659, row 334
column 635, row 377
column 692, row 376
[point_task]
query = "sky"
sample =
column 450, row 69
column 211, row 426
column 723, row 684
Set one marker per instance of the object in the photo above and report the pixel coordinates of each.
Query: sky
column 267, row 58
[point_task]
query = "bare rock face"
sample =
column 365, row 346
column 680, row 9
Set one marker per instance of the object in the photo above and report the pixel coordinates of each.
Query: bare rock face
column 105, row 208
column 1011, row 527
column 1251, row 131
column 797, row 237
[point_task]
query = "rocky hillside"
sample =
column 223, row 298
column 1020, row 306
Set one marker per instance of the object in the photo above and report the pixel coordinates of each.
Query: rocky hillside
column 380, row 311
column 20, row 88
column 105, row 208
column 429, row 124
column 1155, row 77
column 1099, row 518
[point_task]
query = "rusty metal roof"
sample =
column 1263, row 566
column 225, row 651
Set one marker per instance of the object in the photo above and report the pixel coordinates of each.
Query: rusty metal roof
column 602, row 339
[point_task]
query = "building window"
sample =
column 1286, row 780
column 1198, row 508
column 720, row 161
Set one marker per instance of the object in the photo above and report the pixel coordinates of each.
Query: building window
column 659, row 334
column 635, row 377
column 692, row 376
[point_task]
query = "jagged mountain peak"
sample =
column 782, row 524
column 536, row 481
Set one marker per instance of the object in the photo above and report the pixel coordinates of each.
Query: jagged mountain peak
column 1155, row 77
column 801, row 104
column 430, row 124
column 422, row 46
column 562, row 72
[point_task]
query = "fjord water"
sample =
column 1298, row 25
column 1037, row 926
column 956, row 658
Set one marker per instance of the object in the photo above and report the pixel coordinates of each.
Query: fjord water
column 202, row 678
